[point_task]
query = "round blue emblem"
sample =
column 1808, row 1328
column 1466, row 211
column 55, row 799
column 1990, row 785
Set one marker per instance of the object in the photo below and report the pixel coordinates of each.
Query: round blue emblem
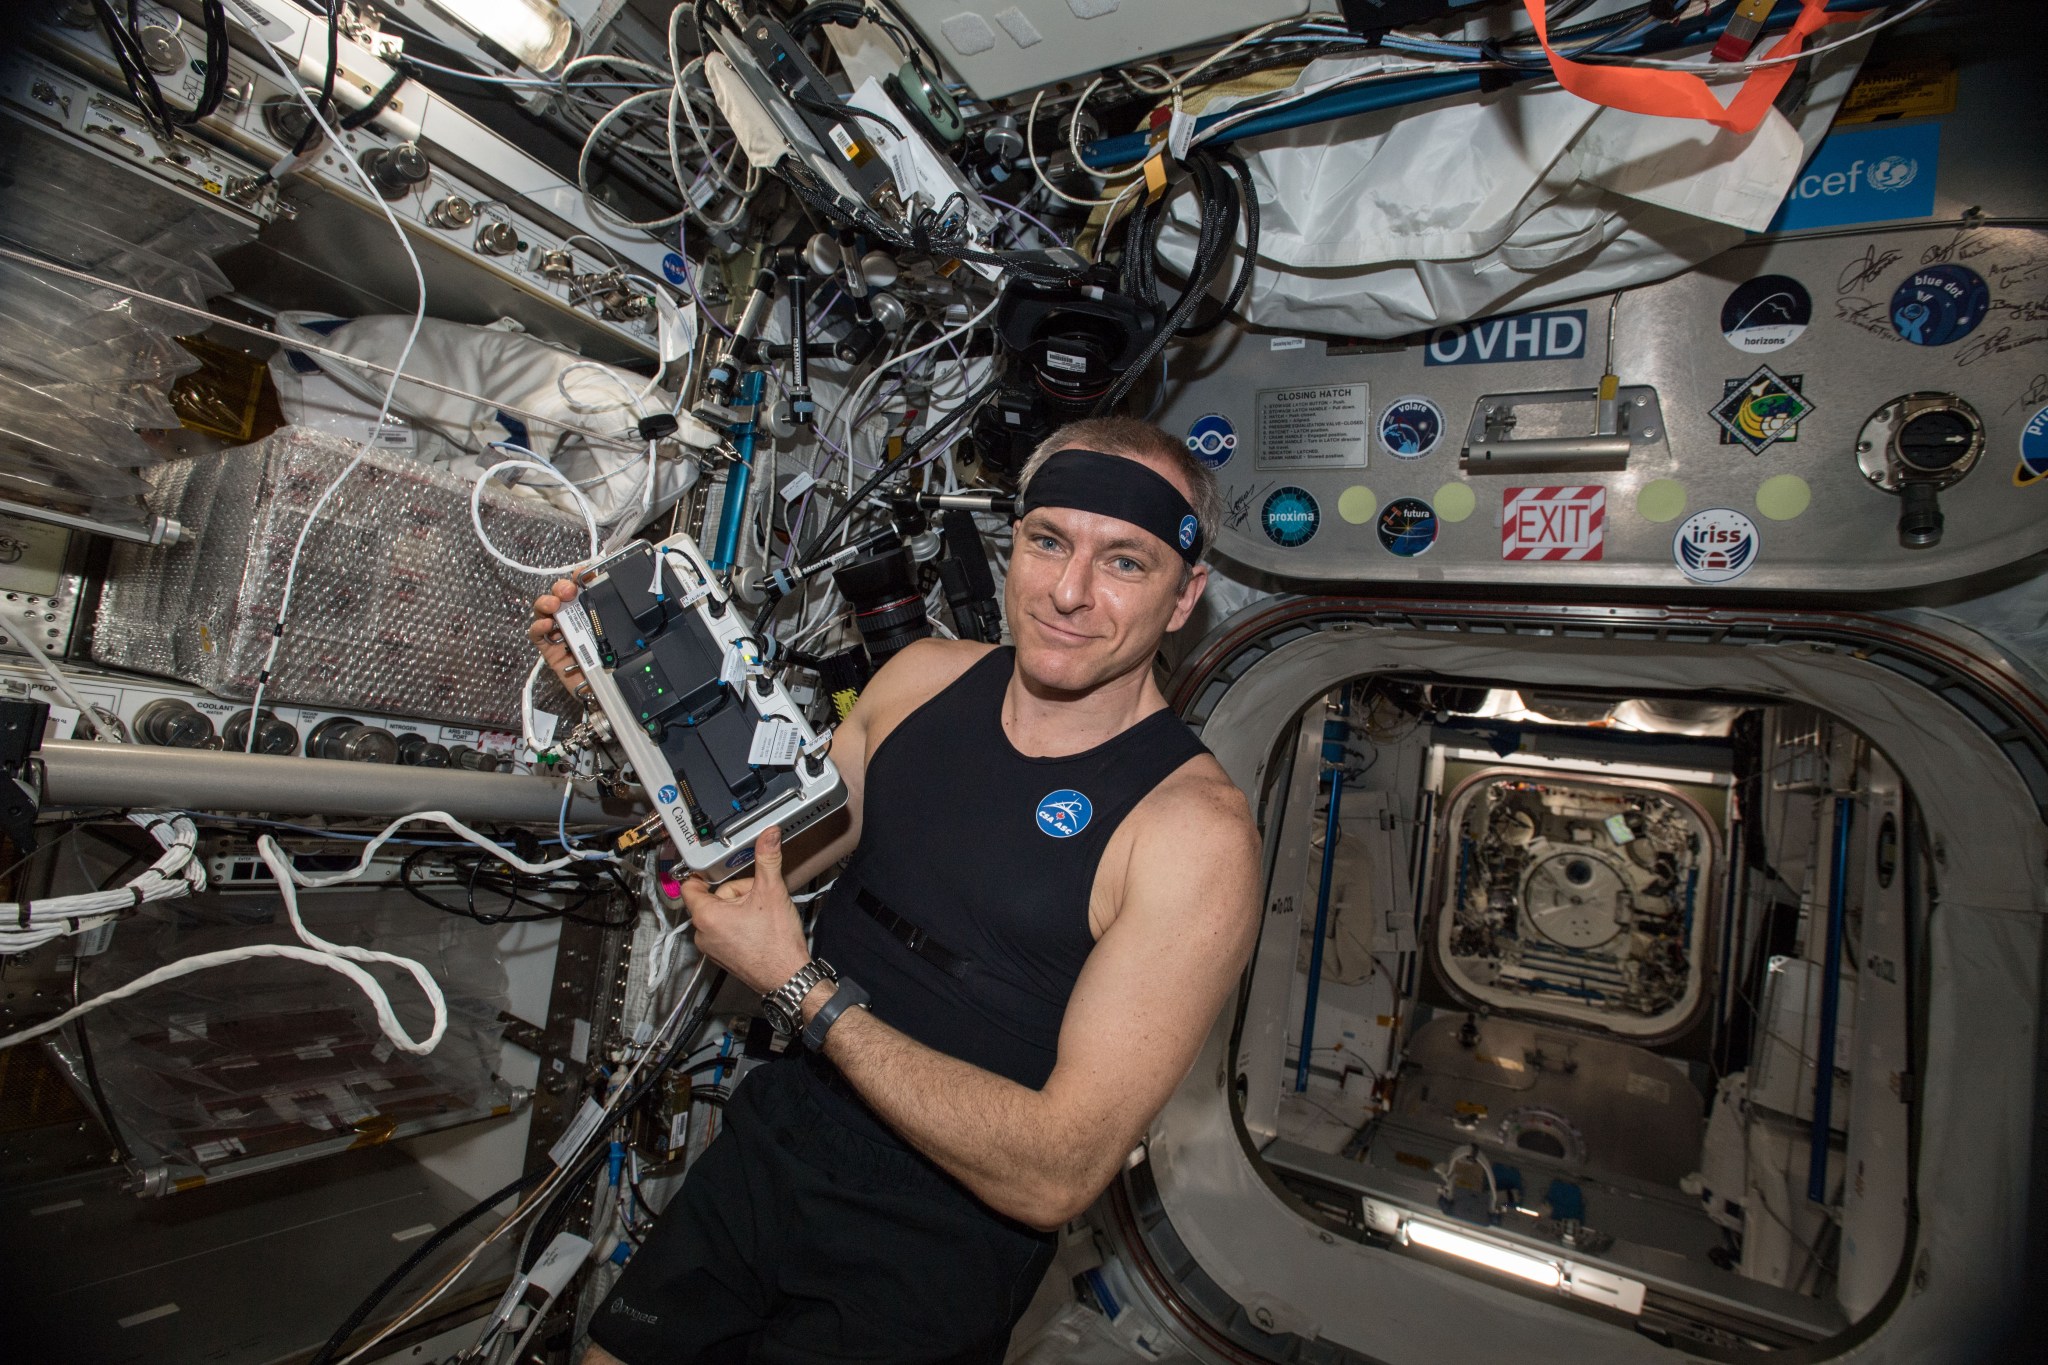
column 1189, row 529
column 1065, row 813
column 1290, row 517
column 1212, row 440
column 1407, row 526
column 1411, row 427
column 667, row 796
column 741, row 858
column 674, row 268
column 1940, row 304
column 2033, row 464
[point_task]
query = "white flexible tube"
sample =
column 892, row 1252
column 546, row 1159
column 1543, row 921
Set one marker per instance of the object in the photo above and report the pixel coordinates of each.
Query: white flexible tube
column 476, row 514
column 100, row 729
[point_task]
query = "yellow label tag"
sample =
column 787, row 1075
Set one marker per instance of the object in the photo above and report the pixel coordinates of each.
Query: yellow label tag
column 1155, row 176
column 1914, row 88
column 1477, row 1111
column 843, row 700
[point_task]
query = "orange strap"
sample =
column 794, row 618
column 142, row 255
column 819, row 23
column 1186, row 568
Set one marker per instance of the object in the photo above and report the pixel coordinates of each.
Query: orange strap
column 1675, row 94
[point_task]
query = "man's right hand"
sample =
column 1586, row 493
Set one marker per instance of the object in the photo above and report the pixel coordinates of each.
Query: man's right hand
column 548, row 640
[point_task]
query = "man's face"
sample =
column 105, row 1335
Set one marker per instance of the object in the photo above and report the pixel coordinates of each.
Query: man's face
column 1089, row 597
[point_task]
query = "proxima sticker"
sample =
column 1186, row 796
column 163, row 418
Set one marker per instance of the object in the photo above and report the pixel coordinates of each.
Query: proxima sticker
column 1411, row 427
column 1715, row 546
column 2033, row 464
column 1290, row 517
column 1553, row 524
column 1064, row 813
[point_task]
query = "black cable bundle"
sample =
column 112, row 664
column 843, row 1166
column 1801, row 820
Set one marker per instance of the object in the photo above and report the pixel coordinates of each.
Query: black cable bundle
column 1223, row 191
column 475, row 870
column 165, row 117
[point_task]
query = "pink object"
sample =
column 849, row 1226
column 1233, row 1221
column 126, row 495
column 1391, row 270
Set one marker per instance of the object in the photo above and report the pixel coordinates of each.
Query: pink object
column 671, row 888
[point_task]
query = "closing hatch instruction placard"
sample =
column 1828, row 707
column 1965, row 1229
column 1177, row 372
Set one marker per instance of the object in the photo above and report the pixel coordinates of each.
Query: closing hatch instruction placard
column 1322, row 426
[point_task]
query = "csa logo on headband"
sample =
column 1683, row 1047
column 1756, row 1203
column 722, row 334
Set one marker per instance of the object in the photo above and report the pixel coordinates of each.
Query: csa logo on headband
column 1189, row 529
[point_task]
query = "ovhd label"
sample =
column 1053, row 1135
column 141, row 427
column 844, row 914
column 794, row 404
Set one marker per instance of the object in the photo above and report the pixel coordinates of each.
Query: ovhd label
column 1715, row 546
column 1527, row 336
column 1290, row 517
column 1411, row 427
column 1553, row 524
column 1212, row 440
column 1940, row 304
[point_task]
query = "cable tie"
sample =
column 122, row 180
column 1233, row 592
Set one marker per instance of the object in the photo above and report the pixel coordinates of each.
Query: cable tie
column 135, row 897
column 21, row 922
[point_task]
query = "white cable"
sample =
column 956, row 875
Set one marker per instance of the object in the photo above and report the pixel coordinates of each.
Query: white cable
column 852, row 403
column 476, row 514
column 419, row 317
column 583, row 166
column 100, row 729
column 177, row 873
column 1695, row 67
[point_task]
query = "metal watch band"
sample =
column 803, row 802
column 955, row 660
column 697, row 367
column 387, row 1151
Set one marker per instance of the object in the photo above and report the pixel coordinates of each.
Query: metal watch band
column 845, row 998
column 784, row 1005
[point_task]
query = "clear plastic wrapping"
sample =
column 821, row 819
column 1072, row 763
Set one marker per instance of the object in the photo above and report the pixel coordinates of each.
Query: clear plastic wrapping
column 396, row 609
column 257, row 1058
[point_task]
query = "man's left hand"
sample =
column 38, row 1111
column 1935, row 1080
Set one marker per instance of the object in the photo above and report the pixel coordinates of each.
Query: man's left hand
column 749, row 925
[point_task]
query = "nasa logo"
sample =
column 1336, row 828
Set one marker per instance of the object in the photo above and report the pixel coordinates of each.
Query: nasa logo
column 667, row 796
column 1064, row 813
column 1715, row 546
column 1189, row 529
column 1762, row 410
column 2033, row 465
column 1411, row 427
column 1767, row 313
column 1893, row 173
column 1940, row 304
column 675, row 269
column 741, row 858
column 1290, row 517
column 1212, row 440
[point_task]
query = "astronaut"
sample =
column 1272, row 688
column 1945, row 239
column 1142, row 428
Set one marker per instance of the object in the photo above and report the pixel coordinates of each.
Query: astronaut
column 1052, row 891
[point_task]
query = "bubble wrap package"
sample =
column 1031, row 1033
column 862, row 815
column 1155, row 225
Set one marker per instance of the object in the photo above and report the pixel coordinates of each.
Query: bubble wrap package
column 397, row 608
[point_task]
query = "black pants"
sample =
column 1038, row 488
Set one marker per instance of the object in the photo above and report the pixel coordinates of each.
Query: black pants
column 807, row 1232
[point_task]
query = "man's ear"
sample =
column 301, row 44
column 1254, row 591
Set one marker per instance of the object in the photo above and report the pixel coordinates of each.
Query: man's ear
column 1190, row 593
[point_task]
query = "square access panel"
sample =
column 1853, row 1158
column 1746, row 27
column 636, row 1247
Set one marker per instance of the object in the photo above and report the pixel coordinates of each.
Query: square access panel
column 1000, row 49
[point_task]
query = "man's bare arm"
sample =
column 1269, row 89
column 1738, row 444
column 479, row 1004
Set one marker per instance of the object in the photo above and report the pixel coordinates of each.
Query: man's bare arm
column 1139, row 1013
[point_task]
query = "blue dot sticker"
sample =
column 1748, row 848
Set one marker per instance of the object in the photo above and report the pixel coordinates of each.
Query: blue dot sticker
column 1064, row 813
column 1411, row 427
column 675, row 269
column 1407, row 527
column 1290, row 517
column 1189, row 529
column 667, row 796
column 1940, row 304
column 2033, row 465
column 1212, row 440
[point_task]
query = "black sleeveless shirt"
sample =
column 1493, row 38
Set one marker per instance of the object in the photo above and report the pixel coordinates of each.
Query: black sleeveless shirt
column 993, row 856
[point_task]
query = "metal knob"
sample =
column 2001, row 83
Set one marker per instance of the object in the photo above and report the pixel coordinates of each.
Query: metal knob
column 452, row 213
column 497, row 238
column 473, row 760
column 350, row 741
column 1002, row 139
column 273, row 736
column 879, row 269
column 396, row 171
column 173, row 724
column 161, row 50
column 417, row 751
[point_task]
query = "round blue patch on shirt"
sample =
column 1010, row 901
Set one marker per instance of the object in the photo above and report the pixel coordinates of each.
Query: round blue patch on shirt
column 1189, row 529
column 1065, row 813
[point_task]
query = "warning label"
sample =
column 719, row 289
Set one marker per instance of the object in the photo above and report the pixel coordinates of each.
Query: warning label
column 1913, row 88
column 1322, row 427
column 1553, row 523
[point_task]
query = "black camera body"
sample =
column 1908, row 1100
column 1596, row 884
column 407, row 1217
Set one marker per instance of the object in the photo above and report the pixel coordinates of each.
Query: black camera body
column 1066, row 344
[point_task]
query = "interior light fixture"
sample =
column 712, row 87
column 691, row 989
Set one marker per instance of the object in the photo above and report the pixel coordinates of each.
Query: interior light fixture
column 1479, row 1251
column 534, row 31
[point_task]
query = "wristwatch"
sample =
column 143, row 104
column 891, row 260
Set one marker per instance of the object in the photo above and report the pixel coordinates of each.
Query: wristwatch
column 848, row 996
column 784, row 1006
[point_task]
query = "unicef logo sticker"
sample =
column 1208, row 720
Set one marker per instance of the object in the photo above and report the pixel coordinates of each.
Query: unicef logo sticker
column 1212, row 440
column 667, row 796
column 1189, row 529
column 1064, row 814
column 1411, row 427
column 1715, row 545
column 1290, row 517
column 1893, row 173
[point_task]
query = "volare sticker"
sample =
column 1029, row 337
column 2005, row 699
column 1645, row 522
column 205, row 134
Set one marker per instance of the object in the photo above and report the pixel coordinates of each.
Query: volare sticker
column 1715, row 546
column 2033, row 465
column 1407, row 527
column 1290, row 517
column 1411, row 427
column 1767, row 313
column 1867, row 175
column 1940, row 304
column 1212, row 440
column 1557, row 524
column 1758, row 412
column 1526, row 336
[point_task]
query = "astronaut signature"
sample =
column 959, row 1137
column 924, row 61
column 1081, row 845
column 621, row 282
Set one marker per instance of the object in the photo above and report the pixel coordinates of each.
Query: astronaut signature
column 1997, row 343
column 1868, row 314
column 1239, row 509
column 1866, row 268
column 2037, row 392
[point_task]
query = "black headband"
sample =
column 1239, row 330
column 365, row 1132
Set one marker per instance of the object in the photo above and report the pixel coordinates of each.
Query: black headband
column 1120, row 487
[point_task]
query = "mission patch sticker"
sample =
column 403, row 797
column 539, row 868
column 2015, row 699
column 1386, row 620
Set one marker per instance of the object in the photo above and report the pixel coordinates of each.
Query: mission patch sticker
column 1767, row 313
column 1411, row 427
column 1553, row 524
column 1758, row 412
column 1290, row 517
column 1407, row 527
column 1212, row 440
column 1940, row 304
column 1715, row 546
column 2033, row 465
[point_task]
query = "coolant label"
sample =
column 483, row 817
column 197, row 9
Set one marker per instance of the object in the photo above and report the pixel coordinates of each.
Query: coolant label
column 1319, row 427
